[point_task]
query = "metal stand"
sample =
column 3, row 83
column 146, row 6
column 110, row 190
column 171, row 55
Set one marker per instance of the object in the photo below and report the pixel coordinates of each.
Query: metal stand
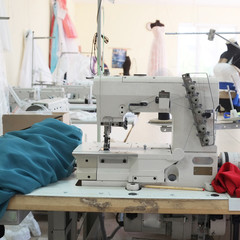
column 62, row 225
column 94, row 227
column 34, row 38
column 235, row 223
column 211, row 34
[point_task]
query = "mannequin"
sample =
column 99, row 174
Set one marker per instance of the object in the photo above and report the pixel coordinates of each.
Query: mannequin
column 157, row 59
column 157, row 23
column 126, row 66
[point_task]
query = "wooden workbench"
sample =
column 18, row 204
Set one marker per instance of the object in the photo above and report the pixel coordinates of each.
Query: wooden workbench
column 65, row 196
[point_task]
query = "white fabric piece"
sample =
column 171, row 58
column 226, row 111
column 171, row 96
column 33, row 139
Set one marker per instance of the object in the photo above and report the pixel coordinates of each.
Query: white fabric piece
column 4, row 92
column 4, row 45
column 17, row 233
column 61, row 13
column 24, row 230
column 33, row 64
column 5, row 41
column 41, row 71
column 83, row 116
column 76, row 65
column 32, row 224
column 25, row 80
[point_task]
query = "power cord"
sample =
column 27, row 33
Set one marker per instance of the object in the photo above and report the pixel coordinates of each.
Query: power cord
column 93, row 56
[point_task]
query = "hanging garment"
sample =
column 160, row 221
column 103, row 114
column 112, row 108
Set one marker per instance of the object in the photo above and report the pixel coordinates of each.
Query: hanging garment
column 4, row 46
column 25, row 80
column 63, row 30
column 5, row 41
column 157, row 59
column 34, row 69
column 53, row 56
column 68, row 26
column 4, row 92
column 35, row 157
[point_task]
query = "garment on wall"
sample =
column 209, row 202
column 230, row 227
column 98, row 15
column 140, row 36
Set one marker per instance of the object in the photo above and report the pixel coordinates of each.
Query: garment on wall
column 34, row 69
column 4, row 46
column 72, row 69
column 64, row 33
column 4, row 92
column 5, row 41
column 157, row 59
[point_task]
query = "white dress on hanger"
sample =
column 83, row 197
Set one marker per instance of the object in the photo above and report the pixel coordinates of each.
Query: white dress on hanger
column 157, row 59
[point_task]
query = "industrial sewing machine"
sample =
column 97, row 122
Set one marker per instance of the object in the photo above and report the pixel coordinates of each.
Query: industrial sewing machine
column 189, row 160
column 52, row 98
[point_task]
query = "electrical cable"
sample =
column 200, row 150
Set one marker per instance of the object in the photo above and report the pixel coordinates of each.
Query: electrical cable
column 114, row 232
column 93, row 53
column 94, row 48
column 120, row 225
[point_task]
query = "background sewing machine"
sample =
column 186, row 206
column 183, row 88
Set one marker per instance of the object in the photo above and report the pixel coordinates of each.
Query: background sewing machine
column 53, row 98
column 191, row 157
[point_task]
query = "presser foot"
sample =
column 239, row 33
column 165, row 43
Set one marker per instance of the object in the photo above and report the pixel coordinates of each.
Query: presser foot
column 133, row 186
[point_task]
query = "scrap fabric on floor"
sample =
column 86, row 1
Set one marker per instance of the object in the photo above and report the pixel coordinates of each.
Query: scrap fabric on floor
column 35, row 157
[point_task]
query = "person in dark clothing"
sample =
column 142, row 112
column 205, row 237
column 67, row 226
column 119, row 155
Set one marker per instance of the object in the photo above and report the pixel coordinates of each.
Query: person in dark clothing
column 232, row 55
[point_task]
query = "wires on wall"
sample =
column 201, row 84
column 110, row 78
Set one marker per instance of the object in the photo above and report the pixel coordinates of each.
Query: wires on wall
column 93, row 56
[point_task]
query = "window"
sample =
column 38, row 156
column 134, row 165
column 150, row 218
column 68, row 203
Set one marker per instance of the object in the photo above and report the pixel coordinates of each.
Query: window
column 195, row 52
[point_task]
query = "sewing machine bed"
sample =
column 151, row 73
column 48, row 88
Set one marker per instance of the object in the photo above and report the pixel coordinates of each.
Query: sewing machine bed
column 65, row 195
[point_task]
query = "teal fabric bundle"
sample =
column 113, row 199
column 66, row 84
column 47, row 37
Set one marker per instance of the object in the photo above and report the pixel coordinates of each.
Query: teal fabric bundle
column 35, row 157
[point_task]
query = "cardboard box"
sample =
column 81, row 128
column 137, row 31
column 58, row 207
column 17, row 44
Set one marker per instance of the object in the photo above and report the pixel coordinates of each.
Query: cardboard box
column 225, row 95
column 20, row 121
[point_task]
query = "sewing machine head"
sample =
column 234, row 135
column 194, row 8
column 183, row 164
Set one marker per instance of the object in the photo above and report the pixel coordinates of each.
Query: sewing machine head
column 191, row 158
column 164, row 95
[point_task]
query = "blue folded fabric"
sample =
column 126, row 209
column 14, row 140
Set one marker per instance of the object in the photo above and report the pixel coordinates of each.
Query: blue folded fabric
column 223, row 85
column 35, row 157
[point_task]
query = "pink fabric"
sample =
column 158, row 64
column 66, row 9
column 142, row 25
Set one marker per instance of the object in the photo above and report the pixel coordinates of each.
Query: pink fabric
column 157, row 60
column 69, row 28
column 63, row 4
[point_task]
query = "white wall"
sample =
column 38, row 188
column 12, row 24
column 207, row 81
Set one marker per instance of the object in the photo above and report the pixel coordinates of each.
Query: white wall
column 25, row 15
column 124, row 24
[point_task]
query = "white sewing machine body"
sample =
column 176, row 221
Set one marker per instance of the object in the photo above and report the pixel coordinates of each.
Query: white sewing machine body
column 191, row 158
